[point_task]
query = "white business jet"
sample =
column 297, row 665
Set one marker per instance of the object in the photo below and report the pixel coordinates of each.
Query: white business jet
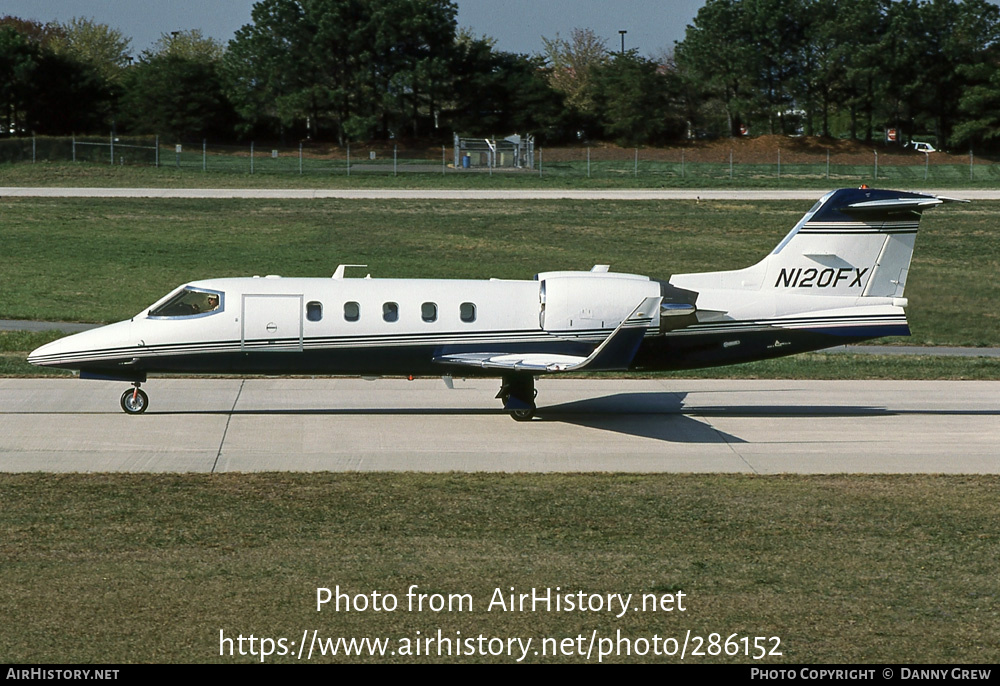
column 836, row 278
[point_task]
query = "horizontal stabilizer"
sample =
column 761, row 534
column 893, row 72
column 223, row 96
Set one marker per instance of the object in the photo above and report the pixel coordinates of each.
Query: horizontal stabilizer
column 614, row 353
column 918, row 203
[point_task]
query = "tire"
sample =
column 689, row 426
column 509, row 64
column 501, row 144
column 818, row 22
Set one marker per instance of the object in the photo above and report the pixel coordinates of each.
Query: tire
column 135, row 401
column 523, row 415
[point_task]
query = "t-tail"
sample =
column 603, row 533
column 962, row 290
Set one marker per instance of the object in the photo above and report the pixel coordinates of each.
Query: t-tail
column 840, row 274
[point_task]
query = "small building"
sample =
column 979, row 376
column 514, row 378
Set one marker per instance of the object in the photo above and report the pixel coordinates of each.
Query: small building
column 512, row 152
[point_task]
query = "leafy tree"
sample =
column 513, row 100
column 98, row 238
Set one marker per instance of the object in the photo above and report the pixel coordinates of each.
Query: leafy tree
column 980, row 107
column 189, row 45
column 718, row 56
column 353, row 67
column 778, row 33
column 820, row 72
column 46, row 92
column 501, row 92
column 104, row 48
column 572, row 64
column 34, row 31
column 18, row 63
column 632, row 101
column 865, row 55
column 950, row 35
column 176, row 97
column 71, row 97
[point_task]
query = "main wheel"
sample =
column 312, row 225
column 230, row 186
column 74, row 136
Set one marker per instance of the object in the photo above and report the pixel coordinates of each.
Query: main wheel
column 135, row 401
column 524, row 415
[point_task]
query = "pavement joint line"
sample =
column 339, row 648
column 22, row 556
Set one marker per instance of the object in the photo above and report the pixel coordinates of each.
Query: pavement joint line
column 225, row 431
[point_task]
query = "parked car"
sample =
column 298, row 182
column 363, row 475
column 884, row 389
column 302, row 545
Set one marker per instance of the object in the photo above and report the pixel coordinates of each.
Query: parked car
column 922, row 147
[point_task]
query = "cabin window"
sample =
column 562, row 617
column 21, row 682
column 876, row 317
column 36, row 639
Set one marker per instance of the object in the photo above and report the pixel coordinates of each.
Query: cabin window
column 390, row 312
column 352, row 311
column 314, row 311
column 429, row 312
column 188, row 303
column 467, row 311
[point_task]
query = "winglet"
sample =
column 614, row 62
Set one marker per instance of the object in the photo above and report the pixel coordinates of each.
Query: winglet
column 618, row 349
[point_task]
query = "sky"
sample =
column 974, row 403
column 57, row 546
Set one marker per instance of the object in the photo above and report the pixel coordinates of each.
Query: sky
column 518, row 25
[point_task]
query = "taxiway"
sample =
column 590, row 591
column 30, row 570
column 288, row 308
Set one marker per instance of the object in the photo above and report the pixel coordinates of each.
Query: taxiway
column 621, row 425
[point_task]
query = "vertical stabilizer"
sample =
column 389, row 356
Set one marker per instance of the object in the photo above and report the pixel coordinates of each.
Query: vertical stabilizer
column 854, row 242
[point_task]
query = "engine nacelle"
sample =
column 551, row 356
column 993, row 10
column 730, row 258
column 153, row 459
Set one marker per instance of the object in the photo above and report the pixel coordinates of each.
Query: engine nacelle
column 594, row 301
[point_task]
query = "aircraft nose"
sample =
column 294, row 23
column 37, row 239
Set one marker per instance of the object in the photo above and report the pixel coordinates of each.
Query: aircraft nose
column 40, row 353
column 82, row 347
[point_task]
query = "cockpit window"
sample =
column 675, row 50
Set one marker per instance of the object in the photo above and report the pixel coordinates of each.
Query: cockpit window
column 189, row 302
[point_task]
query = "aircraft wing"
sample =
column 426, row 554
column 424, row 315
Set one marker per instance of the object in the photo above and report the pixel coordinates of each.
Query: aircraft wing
column 613, row 354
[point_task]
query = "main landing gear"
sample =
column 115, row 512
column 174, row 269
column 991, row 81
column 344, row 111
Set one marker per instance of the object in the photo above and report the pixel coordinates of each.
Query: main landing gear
column 135, row 401
column 517, row 392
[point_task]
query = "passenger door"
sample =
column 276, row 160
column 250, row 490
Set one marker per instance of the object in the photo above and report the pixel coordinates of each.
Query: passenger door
column 271, row 323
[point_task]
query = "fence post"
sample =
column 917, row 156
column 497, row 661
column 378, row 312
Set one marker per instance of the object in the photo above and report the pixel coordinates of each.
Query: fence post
column 876, row 164
column 828, row 164
column 32, row 148
column 251, row 157
column 348, row 158
column 636, row 163
column 204, row 154
column 779, row 164
column 74, row 147
column 539, row 162
column 588, row 161
column 300, row 158
column 444, row 164
column 395, row 149
column 927, row 162
column 971, row 161
column 157, row 151
column 730, row 164
column 112, row 148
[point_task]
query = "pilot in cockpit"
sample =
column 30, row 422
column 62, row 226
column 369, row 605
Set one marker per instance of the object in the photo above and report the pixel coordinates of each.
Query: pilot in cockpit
column 211, row 303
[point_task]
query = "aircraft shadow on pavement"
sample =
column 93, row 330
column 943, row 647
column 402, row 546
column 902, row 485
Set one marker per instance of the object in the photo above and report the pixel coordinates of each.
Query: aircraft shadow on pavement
column 659, row 416
column 665, row 417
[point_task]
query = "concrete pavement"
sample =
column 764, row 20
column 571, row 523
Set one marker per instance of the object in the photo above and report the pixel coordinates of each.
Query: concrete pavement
column 621, row 425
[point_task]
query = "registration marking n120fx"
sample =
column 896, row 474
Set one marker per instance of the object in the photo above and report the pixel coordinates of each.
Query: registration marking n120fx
column 810, row 277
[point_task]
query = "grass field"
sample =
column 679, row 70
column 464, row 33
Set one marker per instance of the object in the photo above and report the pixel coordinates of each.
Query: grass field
column 843, row 569
column 283, row 173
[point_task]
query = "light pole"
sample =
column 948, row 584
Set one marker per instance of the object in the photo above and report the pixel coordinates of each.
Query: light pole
column 623, row 40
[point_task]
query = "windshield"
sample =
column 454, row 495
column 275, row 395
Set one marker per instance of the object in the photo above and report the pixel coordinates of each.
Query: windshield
column 189, row 302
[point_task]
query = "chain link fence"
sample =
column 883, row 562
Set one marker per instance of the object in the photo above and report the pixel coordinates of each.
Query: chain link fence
column 671, row 165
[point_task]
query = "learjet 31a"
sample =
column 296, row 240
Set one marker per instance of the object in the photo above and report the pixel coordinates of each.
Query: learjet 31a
column 836, row 278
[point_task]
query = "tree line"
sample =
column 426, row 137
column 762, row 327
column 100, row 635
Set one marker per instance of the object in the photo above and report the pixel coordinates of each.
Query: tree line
column 341, row 70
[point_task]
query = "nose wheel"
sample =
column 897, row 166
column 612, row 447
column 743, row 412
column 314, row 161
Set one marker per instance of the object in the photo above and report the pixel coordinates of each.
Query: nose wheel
column 135, row 401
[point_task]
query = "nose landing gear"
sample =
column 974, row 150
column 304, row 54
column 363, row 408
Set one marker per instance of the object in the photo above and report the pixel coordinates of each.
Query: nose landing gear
column 135, row 401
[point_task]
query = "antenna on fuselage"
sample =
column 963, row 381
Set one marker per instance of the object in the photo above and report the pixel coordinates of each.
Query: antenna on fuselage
column 339, row 274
